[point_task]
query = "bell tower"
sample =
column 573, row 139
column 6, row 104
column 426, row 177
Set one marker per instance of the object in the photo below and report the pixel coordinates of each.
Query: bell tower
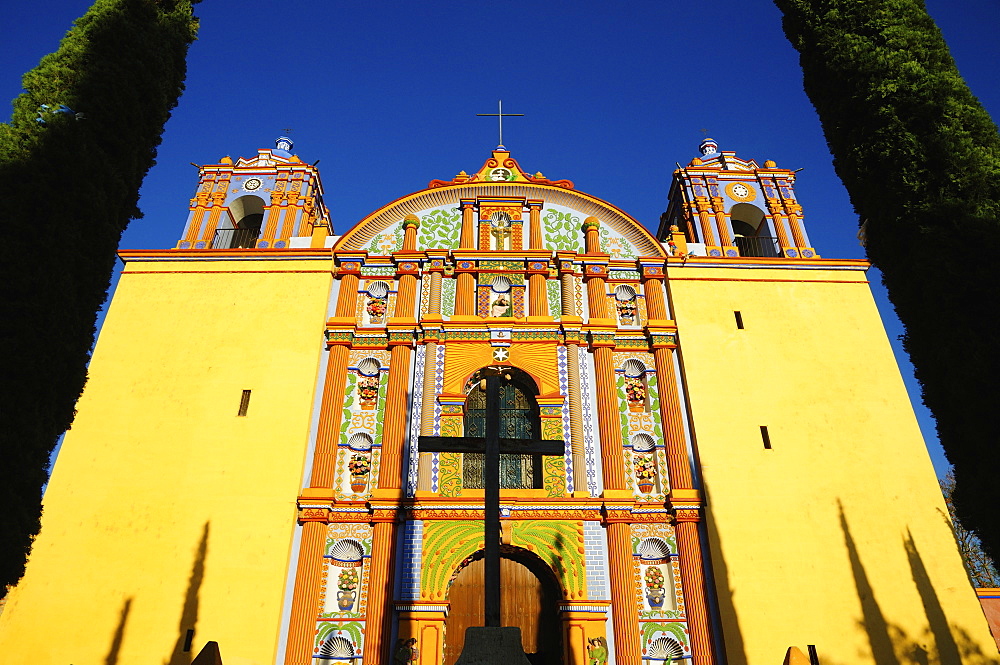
column 271, row 201
column 728, row 207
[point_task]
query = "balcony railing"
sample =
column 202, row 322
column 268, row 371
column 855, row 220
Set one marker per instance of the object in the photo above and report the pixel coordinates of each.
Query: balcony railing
column 235, row 238
column 763, row 246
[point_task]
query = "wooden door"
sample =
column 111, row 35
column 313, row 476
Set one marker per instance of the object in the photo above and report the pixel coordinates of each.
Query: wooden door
column 525, row 602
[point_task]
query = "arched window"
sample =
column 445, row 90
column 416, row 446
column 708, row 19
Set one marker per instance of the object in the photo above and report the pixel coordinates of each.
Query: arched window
column 519, row 419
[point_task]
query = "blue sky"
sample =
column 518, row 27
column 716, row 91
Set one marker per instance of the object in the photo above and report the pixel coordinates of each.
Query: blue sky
column 386, row 94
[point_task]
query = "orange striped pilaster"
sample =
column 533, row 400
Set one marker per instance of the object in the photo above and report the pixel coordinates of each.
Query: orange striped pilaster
column 625, row 617
column 305, row 601
column 705, row 221
column 535, row 240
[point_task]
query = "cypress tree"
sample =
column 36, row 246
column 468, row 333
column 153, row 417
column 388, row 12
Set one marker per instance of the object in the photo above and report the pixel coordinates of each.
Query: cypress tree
column 82, row 137
column 920, row 159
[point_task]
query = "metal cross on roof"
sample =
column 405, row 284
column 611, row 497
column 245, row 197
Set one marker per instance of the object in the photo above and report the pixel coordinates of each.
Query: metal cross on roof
column 500, row 115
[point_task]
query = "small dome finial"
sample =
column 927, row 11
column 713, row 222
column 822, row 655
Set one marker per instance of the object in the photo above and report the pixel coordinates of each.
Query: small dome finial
column 284, row 143
column 708, row 147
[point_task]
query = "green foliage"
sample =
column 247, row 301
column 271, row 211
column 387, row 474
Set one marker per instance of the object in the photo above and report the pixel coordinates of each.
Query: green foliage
column 980, row 567
column 920, row 159
column 75, row 184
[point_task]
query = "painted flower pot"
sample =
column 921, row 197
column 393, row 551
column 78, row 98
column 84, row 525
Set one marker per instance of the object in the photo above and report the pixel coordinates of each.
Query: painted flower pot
column 345, row 600
column 368, row 405
column 636, row 407
column 375, row 319
column 655, row 597
column 358, row 483
column 645, row 486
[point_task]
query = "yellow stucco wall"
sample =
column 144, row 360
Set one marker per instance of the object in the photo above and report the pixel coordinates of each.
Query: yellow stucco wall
column 837, row 536
column 165, row 510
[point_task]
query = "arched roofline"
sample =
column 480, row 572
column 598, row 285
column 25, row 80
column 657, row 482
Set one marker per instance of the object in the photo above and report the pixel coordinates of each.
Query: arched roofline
column 362, row 233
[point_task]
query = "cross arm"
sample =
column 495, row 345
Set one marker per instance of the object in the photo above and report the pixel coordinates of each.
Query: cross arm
column 477, row 444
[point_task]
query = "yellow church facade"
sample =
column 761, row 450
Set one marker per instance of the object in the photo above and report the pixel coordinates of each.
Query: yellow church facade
column 741, row 471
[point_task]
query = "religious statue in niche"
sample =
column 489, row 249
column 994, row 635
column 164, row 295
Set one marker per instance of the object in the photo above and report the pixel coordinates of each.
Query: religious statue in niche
column 645, row 472
column 359, row 466
column 347, row 585
column 500, row 294
column 655, row 591
column 500, row 306
column 597, row 651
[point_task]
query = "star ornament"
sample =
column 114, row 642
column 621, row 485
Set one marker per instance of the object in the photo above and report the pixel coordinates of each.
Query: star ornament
column 500, row 353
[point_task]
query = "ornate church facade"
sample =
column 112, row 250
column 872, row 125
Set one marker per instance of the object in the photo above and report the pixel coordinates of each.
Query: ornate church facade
column 739, row 470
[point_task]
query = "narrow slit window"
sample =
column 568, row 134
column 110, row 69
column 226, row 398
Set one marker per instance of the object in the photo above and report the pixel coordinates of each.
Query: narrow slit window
column 765, row 436
column 244, row 403
column 189, row 636
column 739, row 319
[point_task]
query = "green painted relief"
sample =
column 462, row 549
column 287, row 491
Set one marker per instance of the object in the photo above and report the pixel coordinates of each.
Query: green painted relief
column 378, row 271
column 561, row 228
column 675, row 630
column 448, row 297
column 625, row 274
column 449, row 472
column 439, row 229
column 445, row 546
column 562, row 231
column 553, row 474
column 560, row 545
column 387, row 242
column 555, row 298
column 351, row 630
column 349, row 391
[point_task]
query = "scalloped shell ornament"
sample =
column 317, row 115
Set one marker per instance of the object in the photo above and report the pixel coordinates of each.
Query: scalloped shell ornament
column 337, row 647
column 642, row 443
column 347, row 550
column 653, row 549
column 378, row 289
column 369, row 367
column 633, row 368
column 664, row 648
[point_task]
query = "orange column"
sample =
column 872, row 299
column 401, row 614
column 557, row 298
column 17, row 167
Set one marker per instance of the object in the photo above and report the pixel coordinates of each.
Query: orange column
column 684, row 499
column 794, row 212
column 199, row 208
column 465, row 287
column 625, row 617
column 705, row 221
column 535, row 240
column 538, row 297
column 273, row 211
column 378, row 628
column 774, row 207
column 305, row 596
column 218, row 198
column 720, row 221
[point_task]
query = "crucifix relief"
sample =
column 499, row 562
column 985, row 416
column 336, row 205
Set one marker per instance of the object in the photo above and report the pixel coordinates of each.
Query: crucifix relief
column 493, row 440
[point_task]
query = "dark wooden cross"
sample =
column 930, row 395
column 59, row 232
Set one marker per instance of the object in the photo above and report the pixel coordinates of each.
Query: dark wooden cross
column 500, row 115
column 492, row 445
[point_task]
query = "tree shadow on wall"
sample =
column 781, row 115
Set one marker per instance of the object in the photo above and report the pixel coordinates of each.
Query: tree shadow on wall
column 181, row 654
column 731, row 641
column 116, row 641
column 938, row 643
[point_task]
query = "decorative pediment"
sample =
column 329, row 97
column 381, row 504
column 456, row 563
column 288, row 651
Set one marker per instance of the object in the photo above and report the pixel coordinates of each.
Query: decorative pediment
column 501, row 167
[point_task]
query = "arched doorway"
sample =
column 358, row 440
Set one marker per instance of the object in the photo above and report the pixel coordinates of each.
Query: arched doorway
column 529, row 599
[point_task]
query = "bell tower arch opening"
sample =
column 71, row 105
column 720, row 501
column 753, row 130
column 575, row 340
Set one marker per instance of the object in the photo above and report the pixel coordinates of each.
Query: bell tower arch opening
column 241, row 228
column 752, row 233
